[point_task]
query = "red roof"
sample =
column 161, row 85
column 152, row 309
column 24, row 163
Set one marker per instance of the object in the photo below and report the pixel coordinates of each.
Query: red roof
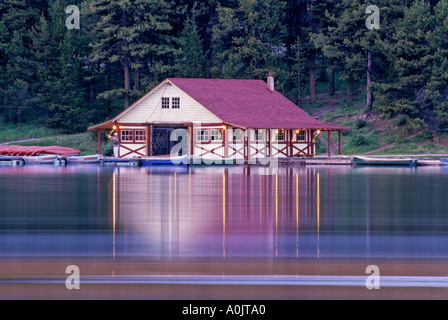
column 249, row 104
column 12, row 150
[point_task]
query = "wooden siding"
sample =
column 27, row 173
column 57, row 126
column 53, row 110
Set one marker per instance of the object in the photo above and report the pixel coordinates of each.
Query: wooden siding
column 133, row 150
column 149, row 109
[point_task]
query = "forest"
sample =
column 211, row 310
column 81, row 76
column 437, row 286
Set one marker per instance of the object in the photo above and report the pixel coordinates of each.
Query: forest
column 70, row 78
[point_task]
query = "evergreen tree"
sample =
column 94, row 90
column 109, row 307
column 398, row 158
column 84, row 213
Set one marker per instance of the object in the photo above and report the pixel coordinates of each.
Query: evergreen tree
column 249, row 39
column 132, row 35
column 351, row 45
column 191, row 61
column 417, row 54
column 16, row 17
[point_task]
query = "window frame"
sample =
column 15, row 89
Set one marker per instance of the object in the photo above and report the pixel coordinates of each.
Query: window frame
column 175, row 105
column 165, row 104
column 296, row 136
column 200, row 137
column 280, row 132
column 239, row 133
column 143, row 135
column 220, row 135
column 257, row 133
column 127, row 133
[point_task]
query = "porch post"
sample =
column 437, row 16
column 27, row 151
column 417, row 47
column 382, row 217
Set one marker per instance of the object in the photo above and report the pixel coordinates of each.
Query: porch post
column 99, row 141
column 224, row 142
column 245, row 145
column 329, row 143
column 311, row 144
column 190, row 137
column 340, row 142
column 150, row 140
column 291, row 149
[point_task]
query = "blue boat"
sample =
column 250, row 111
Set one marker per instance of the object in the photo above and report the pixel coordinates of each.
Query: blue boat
column 164, row 161
column 444, row 161
column 201, row 161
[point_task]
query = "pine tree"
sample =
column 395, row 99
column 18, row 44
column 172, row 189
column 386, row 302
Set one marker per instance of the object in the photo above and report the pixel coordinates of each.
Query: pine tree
column 191, row 61
column 417, row 53
column 349, row 44
column 16, row 17
column 132, row 35
column 249, row 39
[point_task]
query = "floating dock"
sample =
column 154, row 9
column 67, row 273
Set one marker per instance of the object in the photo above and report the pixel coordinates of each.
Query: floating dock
column 12, row 161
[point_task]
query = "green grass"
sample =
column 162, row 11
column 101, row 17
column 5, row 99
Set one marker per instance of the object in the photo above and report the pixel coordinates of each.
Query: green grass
column 310, row 108
column 84, row 142
column 414, row 148
column 10, row 132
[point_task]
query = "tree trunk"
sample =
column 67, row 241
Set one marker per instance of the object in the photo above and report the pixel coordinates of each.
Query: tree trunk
column 332, row 82
column 312, row 80
column 136, row 79
column 369, row 98
column 126, row 84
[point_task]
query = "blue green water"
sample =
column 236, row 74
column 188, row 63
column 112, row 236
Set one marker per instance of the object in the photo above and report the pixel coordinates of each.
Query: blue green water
column 223, row 212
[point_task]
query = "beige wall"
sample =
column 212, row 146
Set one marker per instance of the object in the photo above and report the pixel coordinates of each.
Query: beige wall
column 149, row 108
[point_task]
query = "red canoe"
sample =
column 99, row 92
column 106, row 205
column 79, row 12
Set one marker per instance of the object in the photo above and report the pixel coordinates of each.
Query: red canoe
column 36, row 151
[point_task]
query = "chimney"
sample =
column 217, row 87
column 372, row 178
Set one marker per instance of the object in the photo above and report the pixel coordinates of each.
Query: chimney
column 271, row 86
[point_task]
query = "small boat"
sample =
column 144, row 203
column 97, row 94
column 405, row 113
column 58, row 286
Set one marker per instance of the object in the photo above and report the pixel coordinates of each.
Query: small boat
column 84, row 159
column 444, row 161
column 384, row 161
column 31, row 151
column 43, row 159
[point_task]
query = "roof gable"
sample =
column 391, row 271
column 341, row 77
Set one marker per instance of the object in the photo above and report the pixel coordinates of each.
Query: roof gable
column 148, row 108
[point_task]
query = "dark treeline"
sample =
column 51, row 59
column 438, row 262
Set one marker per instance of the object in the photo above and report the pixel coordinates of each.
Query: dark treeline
column 71, row 78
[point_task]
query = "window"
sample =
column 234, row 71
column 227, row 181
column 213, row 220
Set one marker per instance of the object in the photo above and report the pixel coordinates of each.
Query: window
column 140, row 135
column 259, row 135
column 202, row 135
column 127, row 136
column 238, row 135
column 175, row 103
column 165, row 103
column 300, row 136
column 280, row 135
column 216, row 135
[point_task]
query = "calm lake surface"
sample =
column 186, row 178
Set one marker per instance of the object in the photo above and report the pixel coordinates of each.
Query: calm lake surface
column 223, row 212
column 200, row 214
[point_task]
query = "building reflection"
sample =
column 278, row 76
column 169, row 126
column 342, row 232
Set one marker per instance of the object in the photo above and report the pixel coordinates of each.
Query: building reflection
column 225, row 212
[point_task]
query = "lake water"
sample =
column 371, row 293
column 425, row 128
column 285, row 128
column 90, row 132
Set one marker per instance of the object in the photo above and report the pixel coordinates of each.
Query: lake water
column 200, row 214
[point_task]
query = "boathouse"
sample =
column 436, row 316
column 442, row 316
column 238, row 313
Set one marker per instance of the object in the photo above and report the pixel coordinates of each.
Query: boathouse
column 221, row 118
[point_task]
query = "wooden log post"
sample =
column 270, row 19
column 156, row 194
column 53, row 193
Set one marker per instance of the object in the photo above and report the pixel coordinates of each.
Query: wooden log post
column 151, row 152
column 340, row 142
column 99, row 141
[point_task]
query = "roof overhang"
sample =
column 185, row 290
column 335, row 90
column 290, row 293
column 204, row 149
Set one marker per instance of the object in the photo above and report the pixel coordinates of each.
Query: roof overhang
column 106, row 126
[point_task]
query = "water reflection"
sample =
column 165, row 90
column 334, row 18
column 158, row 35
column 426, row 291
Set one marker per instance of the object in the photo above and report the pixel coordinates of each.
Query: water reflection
column 223, row 212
